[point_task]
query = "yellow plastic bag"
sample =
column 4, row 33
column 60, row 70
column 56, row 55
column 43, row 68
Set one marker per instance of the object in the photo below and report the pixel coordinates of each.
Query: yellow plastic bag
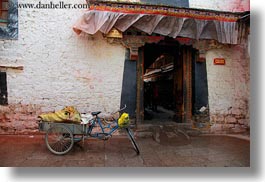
column 124, row 120
column 68, row 114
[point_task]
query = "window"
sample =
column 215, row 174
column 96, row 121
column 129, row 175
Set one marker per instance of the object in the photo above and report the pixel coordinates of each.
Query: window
column 3, row 12
column 8, row 19
column 3, row 89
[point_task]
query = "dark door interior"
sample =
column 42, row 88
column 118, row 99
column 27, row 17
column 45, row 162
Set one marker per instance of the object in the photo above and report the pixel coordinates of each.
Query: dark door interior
column 163, row 82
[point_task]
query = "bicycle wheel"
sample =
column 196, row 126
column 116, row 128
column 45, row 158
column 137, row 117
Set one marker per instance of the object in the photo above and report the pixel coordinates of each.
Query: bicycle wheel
column 59, row 139
column 135, row 146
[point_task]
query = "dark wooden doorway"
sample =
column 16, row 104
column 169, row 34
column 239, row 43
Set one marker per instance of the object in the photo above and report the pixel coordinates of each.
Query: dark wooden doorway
column 181, row 76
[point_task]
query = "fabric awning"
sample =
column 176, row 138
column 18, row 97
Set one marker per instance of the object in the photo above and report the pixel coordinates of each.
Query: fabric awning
column 167, row 21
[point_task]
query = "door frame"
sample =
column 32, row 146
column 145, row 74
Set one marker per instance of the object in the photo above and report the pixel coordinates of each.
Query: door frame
column 184, row 111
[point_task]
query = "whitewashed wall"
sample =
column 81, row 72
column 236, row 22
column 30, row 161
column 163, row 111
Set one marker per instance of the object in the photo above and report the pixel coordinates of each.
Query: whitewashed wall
column 229, row 88
column 60, row 68
column 223, row 5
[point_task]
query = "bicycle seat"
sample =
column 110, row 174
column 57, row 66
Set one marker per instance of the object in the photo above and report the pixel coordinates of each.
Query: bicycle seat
column 95, row 113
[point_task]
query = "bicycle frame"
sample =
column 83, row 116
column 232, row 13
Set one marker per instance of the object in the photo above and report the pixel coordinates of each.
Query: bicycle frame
column 97, row 120
column 60, row 137
column 96, row 135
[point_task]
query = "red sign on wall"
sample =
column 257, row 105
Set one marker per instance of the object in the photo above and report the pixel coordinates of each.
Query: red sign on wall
column 219, row 61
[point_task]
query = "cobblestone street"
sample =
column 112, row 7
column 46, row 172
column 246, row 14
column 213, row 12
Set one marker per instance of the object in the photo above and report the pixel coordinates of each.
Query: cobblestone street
column 203, row 151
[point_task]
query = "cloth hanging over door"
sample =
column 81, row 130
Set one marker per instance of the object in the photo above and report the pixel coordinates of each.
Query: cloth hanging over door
column 166, row 21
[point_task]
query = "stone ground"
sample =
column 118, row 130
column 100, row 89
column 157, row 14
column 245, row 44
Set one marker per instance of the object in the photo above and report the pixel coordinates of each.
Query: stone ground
column 201, row 151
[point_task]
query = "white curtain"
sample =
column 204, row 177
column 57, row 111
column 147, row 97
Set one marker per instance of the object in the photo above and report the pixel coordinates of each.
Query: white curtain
column 93, row 21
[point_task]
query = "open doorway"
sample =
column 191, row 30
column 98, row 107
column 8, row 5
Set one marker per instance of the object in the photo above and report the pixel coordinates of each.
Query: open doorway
column 159, row 77
column 171, row 83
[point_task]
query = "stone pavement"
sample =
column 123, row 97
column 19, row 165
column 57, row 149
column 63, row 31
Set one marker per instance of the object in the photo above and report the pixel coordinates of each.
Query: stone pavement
column 201, row 151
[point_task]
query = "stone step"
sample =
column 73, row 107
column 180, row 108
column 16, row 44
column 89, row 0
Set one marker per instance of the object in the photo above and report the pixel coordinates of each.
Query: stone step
column 177, row 134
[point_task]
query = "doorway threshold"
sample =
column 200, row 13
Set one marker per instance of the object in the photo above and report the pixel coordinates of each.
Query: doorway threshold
column 150, row 129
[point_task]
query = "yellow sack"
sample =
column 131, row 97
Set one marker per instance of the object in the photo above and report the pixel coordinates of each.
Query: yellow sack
column 68, row 114
column 124, row 120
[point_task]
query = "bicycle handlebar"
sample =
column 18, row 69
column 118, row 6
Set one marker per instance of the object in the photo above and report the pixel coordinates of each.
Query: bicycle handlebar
column 120, row 109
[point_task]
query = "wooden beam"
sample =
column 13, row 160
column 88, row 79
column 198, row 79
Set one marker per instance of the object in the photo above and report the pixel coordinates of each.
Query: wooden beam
column 11, row 67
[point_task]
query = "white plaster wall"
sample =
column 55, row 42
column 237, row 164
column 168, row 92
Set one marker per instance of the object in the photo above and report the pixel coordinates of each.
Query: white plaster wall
column 221, row 5
column 61, row 68
column 228, row 85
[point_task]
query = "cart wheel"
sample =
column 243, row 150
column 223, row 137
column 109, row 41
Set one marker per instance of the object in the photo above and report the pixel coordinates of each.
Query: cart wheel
column 130, row 134
column 59, row 139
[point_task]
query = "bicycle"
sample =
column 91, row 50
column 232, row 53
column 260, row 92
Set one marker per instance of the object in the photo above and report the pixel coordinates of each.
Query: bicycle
column 60, row 137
